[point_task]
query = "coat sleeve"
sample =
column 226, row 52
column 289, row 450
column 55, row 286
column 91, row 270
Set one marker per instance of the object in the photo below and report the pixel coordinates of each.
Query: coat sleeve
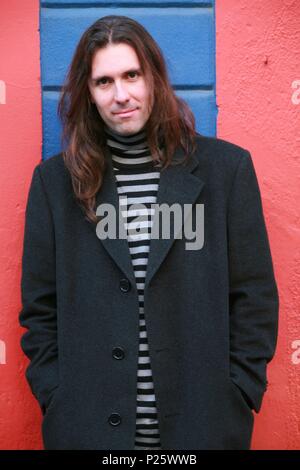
column 253, row 295
column 38, row 288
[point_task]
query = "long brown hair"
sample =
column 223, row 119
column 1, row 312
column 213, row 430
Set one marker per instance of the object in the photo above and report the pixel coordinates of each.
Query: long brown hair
column 83, row 128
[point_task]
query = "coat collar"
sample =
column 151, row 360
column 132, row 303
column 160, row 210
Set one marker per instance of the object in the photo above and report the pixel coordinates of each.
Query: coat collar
column 177, row 185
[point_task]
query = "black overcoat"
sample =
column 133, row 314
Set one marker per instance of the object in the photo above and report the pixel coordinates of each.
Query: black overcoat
column 211, row 314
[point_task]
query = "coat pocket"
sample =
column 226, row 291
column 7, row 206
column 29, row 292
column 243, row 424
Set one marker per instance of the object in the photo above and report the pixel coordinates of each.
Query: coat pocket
column 238, row 419
column 242, row 396
column 52, row 401
column 53, row 421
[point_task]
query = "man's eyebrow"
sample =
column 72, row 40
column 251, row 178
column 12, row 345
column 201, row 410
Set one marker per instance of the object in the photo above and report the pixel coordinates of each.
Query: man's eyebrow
column 137, row 70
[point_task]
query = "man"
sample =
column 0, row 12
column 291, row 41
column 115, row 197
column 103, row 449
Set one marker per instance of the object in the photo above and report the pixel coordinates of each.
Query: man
column 139, row 342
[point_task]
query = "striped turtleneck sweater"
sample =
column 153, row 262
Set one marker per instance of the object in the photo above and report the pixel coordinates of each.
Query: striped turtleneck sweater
column 137, row 178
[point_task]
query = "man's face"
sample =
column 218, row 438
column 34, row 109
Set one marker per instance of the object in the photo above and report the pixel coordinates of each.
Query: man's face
column 117, row 84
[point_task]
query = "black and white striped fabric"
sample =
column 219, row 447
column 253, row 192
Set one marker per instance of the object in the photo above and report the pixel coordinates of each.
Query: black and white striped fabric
column 137, row 178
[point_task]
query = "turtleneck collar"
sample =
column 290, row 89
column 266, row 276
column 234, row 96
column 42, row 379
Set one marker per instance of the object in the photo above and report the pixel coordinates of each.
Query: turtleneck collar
column 128, row 149
column 130, row 139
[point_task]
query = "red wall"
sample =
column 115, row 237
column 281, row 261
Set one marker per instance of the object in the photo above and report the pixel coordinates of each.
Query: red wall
column 20, row 151
column 258, row 57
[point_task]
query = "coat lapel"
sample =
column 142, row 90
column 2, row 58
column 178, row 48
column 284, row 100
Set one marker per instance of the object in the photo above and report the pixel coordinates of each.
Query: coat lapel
column 117, row 248
column 177, row 185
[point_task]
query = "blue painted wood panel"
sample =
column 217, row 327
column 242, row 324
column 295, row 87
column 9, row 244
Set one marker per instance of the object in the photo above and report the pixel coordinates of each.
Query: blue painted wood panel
column 185, row 34
column 143, row 3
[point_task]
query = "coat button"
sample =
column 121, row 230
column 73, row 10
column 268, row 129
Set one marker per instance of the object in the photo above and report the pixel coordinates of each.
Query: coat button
column 114, row 419
column 118, row 353
column 124, row 285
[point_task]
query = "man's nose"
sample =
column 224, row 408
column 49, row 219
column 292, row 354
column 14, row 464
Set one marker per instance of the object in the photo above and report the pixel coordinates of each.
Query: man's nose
column 121, row 93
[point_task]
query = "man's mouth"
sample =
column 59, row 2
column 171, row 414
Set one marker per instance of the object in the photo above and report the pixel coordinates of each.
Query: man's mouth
column 127, row 112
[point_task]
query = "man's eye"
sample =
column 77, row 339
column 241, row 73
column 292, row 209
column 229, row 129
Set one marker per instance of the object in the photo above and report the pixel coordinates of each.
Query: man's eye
column 102, row 81
column 133, row 73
